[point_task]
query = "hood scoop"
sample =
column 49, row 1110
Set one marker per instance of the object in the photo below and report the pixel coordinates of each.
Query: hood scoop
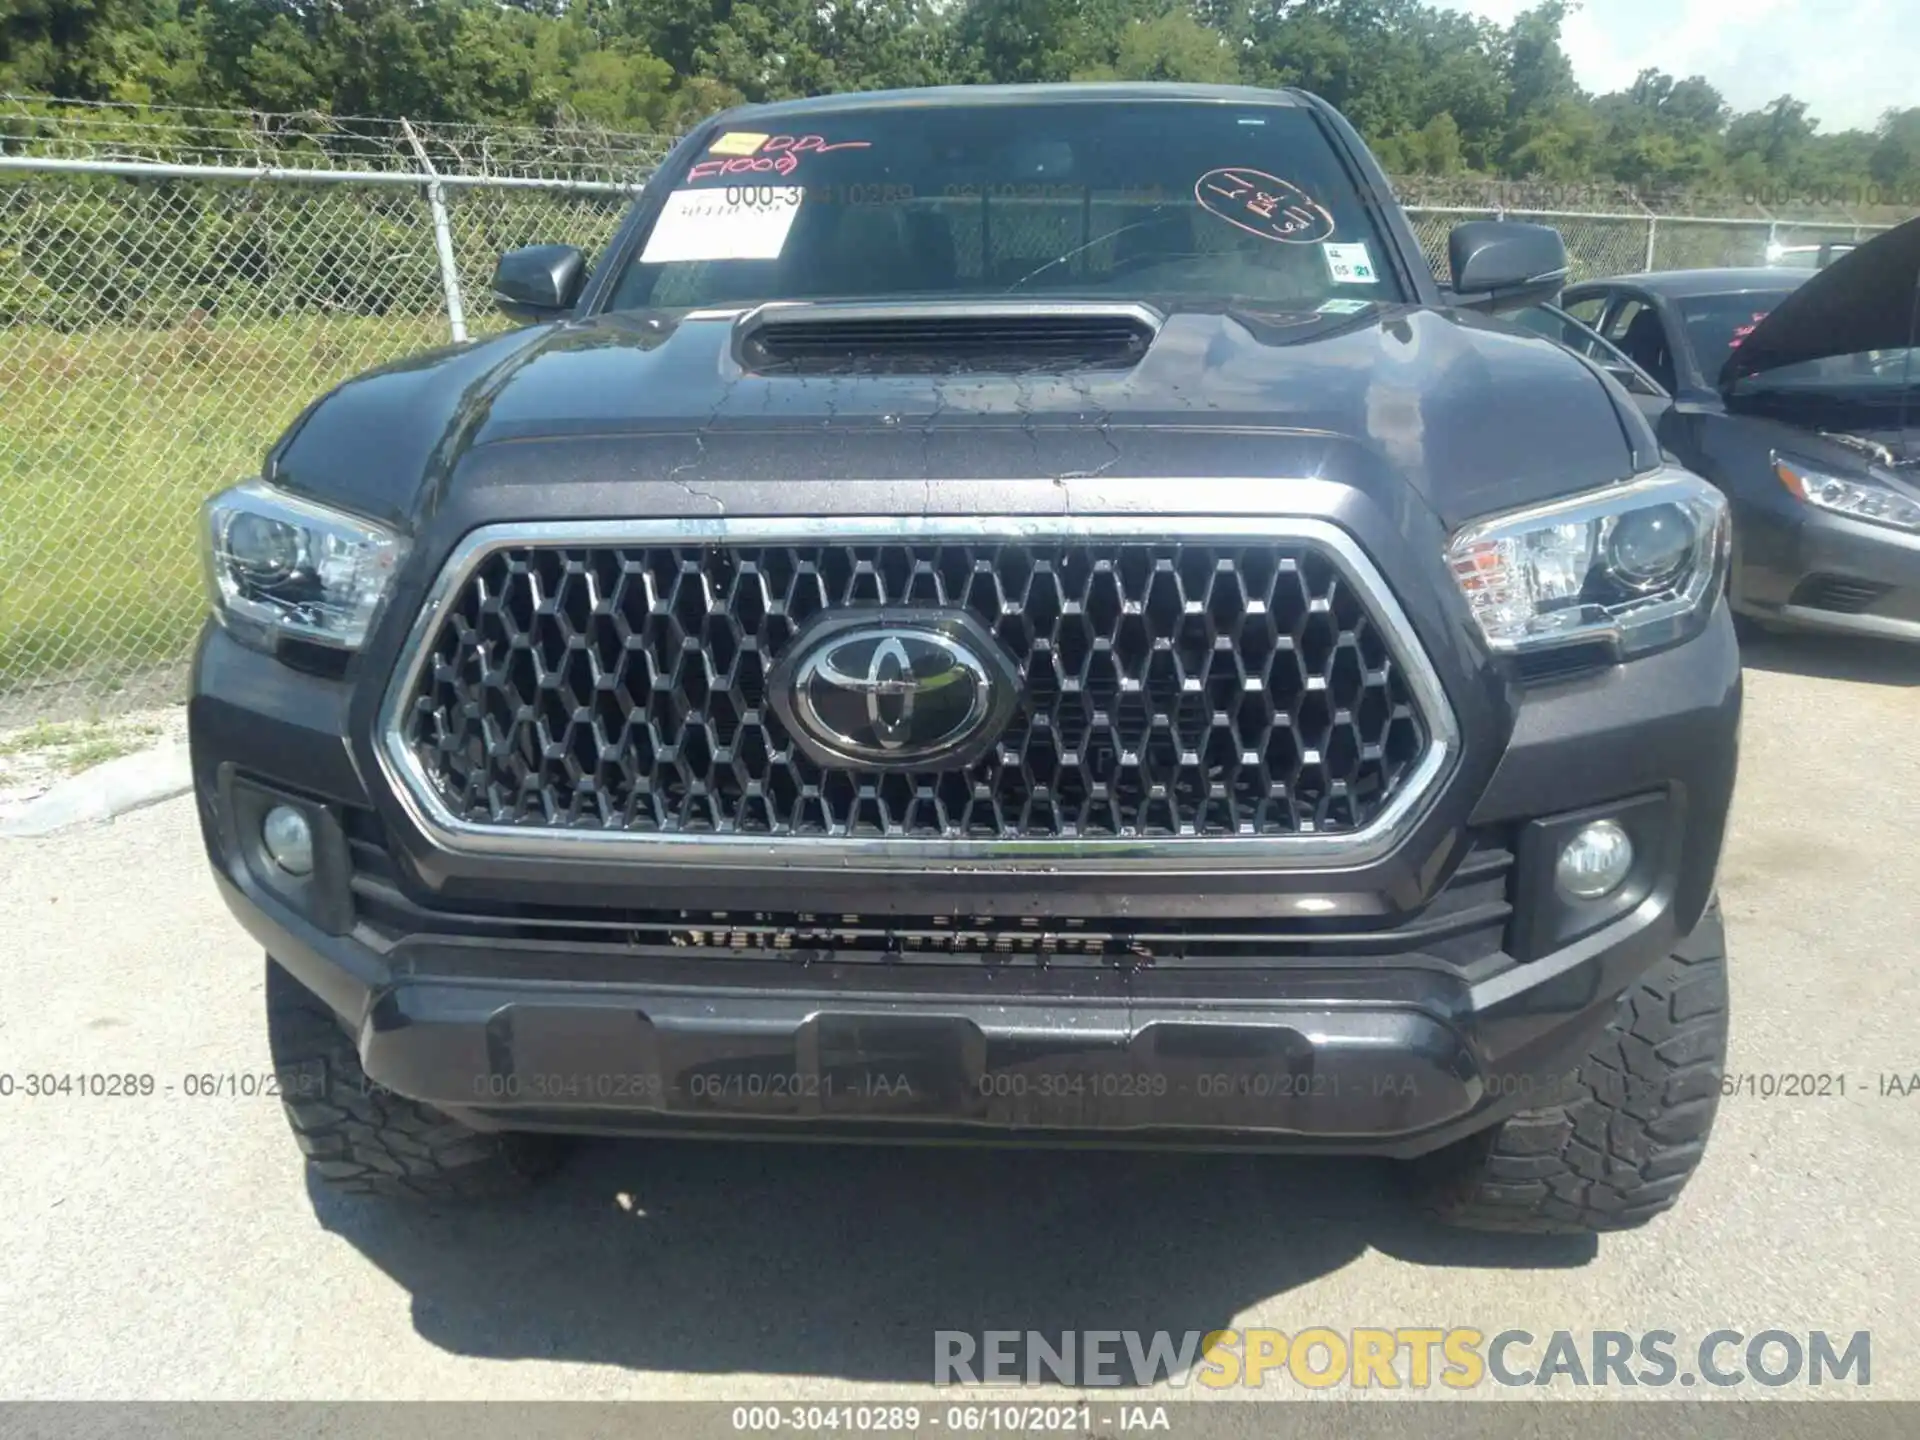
column 976, row 337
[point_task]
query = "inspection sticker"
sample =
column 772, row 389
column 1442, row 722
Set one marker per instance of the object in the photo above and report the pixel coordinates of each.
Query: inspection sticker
column 737, row 142
column 1350, row 264
column 746, row 222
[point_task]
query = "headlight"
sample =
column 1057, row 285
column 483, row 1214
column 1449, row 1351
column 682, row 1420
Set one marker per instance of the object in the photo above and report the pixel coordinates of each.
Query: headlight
column 279, row 566
column 1636, row 566
column 1856, row 497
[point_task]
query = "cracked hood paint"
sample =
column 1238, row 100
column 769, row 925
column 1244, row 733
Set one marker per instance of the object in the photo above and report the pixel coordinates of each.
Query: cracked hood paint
column 608, row 416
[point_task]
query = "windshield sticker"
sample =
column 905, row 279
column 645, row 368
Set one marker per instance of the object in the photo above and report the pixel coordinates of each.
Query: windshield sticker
column 1740, row 332
column 1350, row 264
column 774, row 155
column 738, row 142
column 744, row 223
column 1263, row 205
column 1341, row 305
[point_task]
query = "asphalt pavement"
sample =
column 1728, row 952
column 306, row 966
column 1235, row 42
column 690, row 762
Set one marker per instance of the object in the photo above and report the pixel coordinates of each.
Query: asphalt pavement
column 168, row 1246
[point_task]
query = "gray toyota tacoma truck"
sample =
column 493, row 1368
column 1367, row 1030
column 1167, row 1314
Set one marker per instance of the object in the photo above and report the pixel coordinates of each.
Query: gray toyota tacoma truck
column 1022, row 615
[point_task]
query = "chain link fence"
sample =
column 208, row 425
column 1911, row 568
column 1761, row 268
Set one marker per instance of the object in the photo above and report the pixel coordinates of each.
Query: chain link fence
column 171, row 299
column 173, row 292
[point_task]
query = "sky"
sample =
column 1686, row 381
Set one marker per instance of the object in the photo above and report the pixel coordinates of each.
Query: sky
column 1837, row 55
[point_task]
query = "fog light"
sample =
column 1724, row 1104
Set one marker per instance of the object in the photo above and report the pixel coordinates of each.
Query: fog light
column 1594, row 862
column 289, row 839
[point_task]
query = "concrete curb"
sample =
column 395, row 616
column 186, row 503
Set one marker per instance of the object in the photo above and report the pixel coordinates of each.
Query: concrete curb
column 129, row 783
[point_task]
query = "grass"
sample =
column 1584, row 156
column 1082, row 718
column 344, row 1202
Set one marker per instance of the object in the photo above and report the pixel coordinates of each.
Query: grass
column 109, row 441
column 95, row 752
column 73, row 746
column 44, row 736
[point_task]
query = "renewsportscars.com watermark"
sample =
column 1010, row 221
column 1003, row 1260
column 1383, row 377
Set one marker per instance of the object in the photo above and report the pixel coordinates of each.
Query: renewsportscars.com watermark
column 1401, row 1357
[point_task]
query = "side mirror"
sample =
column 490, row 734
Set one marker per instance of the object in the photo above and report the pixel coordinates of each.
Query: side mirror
column 1502, row 265
column 539, row 282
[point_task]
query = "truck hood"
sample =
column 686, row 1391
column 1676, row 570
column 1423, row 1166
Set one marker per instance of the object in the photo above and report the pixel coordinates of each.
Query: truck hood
column 1868, row 299
column 1474, row 415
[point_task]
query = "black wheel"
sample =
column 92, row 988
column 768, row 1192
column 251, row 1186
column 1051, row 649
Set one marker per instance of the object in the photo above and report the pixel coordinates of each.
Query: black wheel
column 362, row 1139
column 1629, row 1131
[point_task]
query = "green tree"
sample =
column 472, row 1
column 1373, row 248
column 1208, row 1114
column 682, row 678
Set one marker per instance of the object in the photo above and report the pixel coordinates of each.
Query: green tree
column 1174, row 46
column 1435, row 147
column 87, row 49
column 621, row 87
column 1773, row 141
column 1016, row 41
column 1432, row 89
column 1662, row 133
column 280, row 68
column 1539, row 74
column 1895, row 161
column 1462, row 77
column 1560, row 142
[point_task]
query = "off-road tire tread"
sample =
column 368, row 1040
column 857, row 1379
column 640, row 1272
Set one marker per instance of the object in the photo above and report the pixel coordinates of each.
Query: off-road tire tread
column 362, row 1139
column 1621, row 1144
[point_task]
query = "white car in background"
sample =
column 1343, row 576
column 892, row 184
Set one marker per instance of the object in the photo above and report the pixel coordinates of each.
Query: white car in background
column 1807, row 257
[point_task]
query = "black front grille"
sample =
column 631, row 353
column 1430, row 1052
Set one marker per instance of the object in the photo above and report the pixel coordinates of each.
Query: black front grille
column 1169, row 689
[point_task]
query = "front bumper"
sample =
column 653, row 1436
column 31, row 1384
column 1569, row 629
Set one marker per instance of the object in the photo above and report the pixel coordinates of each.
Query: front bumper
column 1392, row 1059
column 1377, row 1029
column 1811, row 570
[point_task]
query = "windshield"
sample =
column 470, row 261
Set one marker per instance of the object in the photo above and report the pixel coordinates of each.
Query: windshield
column 1870, row 370
column 1716, row 324
column 1156, row 200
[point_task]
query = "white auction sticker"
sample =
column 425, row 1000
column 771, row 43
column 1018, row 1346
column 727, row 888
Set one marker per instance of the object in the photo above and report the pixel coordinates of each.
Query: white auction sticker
column 734, row 222
column 1350, row 264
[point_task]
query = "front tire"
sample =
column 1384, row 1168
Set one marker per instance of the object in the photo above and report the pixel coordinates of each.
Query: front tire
column 362, row 1139
column 1622, row 1144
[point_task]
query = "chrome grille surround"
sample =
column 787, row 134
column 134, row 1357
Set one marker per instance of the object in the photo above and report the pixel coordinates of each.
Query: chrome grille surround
column 428, row 806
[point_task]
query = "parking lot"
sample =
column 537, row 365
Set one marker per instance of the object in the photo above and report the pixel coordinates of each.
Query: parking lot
column 168, row 1246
